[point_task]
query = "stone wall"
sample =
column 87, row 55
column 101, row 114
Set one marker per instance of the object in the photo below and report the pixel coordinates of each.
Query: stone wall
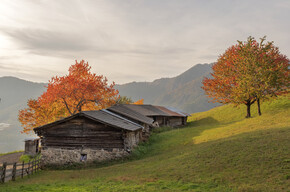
column 145, row 132
column 63, row 156
column 131, row 139
column 60, row 156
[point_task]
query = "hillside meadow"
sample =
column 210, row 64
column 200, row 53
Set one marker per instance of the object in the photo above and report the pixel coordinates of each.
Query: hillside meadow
column 219, row 150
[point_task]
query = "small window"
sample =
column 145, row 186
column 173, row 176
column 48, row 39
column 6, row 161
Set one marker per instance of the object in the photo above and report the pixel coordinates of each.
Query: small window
column 83, row 157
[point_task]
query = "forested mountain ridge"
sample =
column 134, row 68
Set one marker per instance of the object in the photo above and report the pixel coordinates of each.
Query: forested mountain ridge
column 183, row 91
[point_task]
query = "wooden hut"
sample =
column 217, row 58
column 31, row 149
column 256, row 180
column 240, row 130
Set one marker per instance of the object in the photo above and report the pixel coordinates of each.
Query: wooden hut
column 162, row 116
column 175, row 117
column 150, row 111
column 134, row 116
column 31, row 146
column 88, row 136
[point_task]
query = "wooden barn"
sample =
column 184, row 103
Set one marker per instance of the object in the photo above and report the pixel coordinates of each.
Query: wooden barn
column 176, row 117
column 134, row 116
column 162, row 116
column 88, row 136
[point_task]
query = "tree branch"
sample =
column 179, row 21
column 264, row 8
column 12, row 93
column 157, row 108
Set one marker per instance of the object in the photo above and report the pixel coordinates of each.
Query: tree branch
column 66, row 105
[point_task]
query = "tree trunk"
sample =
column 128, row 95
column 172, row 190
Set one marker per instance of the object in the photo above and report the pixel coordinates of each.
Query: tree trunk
column 259, row 108
column 248, row 110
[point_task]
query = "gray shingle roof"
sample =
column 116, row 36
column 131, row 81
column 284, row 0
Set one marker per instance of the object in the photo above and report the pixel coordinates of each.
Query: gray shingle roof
column 102, row 116
column 178, row 111
column 147, row 110
column 113, row 119
column 170, row 112
column 126, row 111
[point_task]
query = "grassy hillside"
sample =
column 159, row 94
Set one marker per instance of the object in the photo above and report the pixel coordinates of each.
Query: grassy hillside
column 219, row 150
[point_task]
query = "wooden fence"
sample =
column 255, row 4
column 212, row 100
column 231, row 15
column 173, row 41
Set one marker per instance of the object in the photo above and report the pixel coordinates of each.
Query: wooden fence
column 9, row 171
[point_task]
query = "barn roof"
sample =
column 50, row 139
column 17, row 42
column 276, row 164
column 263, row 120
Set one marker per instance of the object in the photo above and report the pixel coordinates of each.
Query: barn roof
column 113, row 119
column 31, row 139
column 169, row 112
column 124, row 110
column 102, row 116
column 152, row 110
column 178, row 111
column 182, row 113
column 147, row 110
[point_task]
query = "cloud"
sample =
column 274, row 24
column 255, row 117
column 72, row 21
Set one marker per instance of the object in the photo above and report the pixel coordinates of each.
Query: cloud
column 36, row 39
column 133, row 40
column 4, row 126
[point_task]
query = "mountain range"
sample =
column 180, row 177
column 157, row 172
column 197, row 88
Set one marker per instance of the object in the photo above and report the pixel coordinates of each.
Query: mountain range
column 182, row 91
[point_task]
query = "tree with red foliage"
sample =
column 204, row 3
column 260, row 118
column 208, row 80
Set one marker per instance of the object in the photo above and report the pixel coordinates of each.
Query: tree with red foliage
column 247, row 72
column 68, row 95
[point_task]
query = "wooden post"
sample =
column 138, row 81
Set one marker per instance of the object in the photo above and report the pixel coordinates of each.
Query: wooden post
column 38, row 163
column 1, row 171
column 35, row 165
column 32, row 166
column 38, row 168
column 2, row 179
column 22, row 170
column 35, row 168
column 14, row 171
column 28, row 168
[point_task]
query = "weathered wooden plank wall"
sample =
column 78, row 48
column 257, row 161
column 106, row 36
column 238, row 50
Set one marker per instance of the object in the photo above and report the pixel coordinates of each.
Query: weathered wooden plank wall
column 82, row 132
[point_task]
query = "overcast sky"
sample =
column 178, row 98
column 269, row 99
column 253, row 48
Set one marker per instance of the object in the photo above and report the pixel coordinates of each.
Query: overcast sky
column 131, row 40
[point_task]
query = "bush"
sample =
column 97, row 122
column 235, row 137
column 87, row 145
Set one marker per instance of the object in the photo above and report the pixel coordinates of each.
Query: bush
column 27, row 158
column 161, row 129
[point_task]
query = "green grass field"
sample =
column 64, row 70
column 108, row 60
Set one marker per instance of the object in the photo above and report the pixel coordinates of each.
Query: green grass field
column 1, row 154
column 219, row 150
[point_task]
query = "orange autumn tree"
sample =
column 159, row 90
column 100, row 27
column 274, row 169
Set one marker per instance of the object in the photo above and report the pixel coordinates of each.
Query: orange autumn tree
column 39, row 113
column 80, row 90
column 248, row 72
column 139, row 102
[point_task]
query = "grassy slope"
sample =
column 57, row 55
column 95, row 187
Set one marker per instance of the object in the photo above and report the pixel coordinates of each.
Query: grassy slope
column 218, row 151
column 2, row 154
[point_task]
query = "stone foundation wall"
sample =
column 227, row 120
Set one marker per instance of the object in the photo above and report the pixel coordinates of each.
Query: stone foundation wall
column 145, row 133
column 131, row 139
column 66, row 156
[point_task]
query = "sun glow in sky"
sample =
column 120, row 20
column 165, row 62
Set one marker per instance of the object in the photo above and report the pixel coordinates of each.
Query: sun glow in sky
column 130, row 40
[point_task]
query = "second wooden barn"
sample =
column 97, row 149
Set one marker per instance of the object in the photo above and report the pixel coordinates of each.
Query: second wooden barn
column 175, row 117
column 134, row 116
column 88, row 136
column 162, row 116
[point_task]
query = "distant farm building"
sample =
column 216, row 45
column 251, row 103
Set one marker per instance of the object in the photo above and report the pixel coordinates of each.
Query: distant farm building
column 134, row 116
column 88, row 136
column 163, row 116
column 31, row 146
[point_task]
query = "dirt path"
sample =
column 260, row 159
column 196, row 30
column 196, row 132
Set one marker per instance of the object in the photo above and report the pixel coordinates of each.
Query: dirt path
column 10, row 158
